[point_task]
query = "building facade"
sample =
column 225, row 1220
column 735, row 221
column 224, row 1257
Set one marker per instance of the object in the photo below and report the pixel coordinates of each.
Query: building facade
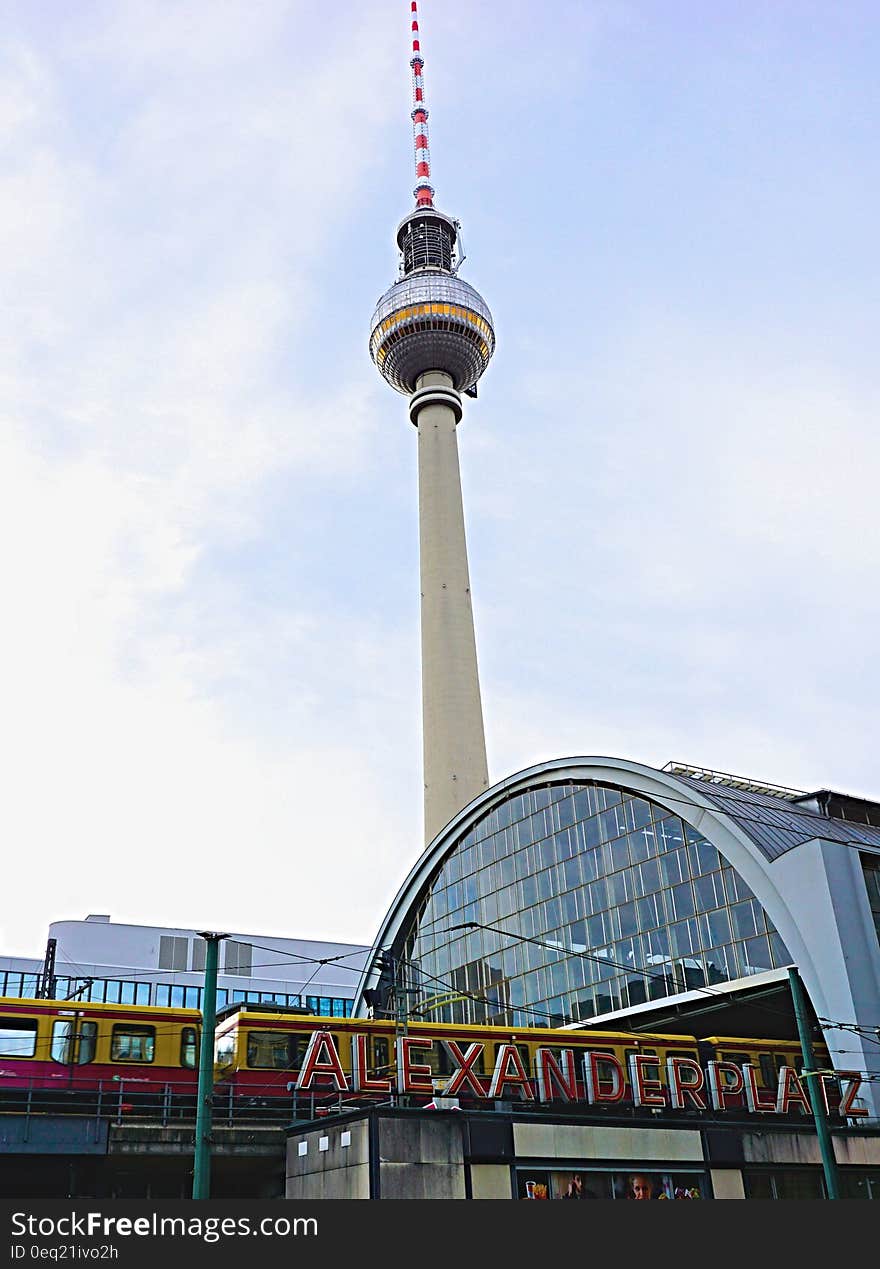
column 100, row 960
column 399, row 1154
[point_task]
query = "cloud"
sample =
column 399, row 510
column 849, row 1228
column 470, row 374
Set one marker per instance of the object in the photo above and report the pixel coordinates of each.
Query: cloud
column 162, row 237
column 699, row 587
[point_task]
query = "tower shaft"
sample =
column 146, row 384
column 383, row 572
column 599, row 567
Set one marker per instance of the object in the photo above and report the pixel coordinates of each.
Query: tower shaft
column 454, row 744
column 431, row 337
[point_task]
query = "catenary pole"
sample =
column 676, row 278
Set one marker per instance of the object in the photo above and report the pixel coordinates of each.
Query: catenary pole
column 204, row 1102
column 812, row 1076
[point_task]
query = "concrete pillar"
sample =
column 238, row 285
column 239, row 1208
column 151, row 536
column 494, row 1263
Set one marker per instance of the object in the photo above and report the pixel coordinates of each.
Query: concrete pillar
column 454, row 743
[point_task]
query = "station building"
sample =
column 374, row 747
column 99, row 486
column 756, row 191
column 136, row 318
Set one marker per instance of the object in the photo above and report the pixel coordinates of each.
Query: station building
column 516, row 1153
column 599, row 892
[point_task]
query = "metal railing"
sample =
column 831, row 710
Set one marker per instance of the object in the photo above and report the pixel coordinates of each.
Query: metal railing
column 122, row 1101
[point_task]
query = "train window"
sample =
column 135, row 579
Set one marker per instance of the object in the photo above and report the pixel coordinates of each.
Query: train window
column 606, row 1071
column 62, row 1041
column 224, row 1051
column 88, row 1043
column 129, row 1043
column 768, row 1070
column 770, row 1065
column 276, row 1049
column 64, row 1047
column 189, row 1048
column 436, row 1057
column 381, row 1055
column 18, row 1037
column 738, row 1058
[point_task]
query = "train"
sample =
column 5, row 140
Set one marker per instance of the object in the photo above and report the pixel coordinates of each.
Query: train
column 128, row 1059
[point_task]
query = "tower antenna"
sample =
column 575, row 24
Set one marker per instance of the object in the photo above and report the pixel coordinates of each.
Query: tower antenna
column 424, row 191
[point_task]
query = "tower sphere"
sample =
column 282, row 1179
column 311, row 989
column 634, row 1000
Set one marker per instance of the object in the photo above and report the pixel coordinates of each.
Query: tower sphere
column 431, row 319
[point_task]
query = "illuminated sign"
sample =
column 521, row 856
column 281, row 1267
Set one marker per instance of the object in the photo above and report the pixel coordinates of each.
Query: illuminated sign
column 601, row 1080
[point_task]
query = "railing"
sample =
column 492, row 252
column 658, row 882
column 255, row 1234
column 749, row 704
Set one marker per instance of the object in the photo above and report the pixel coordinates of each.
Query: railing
column 163, row 1104
column 120, row 1102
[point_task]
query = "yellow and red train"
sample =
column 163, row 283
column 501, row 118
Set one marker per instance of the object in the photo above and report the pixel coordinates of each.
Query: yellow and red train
column 69, row 1053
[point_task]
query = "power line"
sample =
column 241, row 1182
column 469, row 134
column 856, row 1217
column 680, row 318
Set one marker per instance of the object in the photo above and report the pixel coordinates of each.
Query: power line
column 139, row 973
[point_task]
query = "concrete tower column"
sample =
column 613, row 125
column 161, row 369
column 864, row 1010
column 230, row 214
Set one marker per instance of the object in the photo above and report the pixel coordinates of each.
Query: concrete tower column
column 454, row 743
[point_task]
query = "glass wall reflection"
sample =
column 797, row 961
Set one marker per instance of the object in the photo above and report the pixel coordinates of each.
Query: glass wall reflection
column 572, row 900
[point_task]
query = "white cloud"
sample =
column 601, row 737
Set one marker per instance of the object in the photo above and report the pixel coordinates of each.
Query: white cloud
column 160, row 271
column 210, row 675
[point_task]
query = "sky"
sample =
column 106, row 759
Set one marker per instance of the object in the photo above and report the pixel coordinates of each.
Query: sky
column 210, row 638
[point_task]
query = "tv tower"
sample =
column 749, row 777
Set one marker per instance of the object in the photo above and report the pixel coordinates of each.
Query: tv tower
column 431, row 338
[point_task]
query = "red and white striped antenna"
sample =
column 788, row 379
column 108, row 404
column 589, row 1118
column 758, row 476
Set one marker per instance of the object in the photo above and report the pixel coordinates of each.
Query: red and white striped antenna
column 424, row 191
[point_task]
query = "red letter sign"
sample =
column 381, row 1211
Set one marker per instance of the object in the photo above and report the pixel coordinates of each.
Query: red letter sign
column 550, row 1073
column 412, row 1077
column 509, row 1070
column 849, row 1087
column 464, row 1076
column 753, row 1093
column 790, row 1091
column 322, row 1062
column 686, row 1080
column 721, row 1089
column 592, row 1077
column 361, row 1080
column 646, row 1092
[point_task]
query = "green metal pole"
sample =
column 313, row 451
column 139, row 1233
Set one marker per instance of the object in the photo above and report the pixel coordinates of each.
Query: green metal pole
column 826, row 1146
column 204, row 1104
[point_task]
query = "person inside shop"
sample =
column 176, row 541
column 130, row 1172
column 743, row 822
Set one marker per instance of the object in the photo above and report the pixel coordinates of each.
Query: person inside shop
column 641, row 1186
column 576, row 1188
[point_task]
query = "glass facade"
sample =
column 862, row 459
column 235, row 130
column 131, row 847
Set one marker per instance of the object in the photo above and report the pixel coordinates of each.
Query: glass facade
column 572, row 900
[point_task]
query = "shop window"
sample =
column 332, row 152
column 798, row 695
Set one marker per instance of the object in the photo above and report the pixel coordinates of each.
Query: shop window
column 788, row 1183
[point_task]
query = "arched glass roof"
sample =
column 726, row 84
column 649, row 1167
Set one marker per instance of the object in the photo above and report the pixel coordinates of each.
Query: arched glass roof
column 570, row 900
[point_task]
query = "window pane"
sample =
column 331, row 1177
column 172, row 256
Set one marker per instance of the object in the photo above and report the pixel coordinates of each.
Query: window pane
column 781, row 954
column 649, row 876
column 172, row 952
column 682, row 900
column 131, row 1043
column 88, row 1042
column 188, row 1048
column 744, row 923
column 18, row 1037
column 62, row 1036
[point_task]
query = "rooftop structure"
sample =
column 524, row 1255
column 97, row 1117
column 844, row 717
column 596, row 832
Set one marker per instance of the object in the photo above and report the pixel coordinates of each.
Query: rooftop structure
column 106, row 961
